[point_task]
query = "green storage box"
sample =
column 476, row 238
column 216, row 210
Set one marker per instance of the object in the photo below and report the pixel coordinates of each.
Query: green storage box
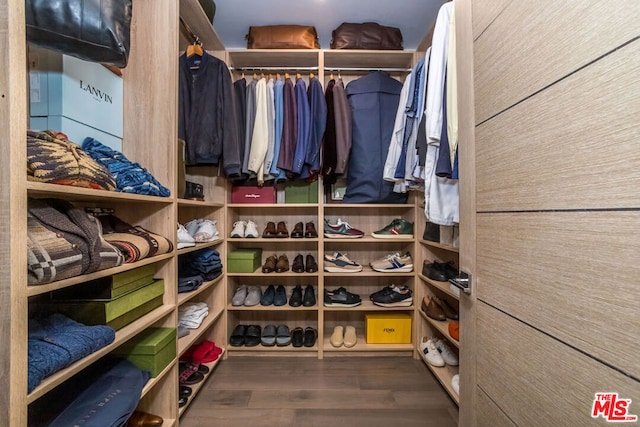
column 117, row 312
column 301, row 192
column 151, row 350
column 244, row 260
column 109, row 287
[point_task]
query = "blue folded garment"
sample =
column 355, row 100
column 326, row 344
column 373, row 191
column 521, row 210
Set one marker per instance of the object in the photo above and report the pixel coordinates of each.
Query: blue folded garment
column 130, row 177
column 55, row 342
column 109, row 401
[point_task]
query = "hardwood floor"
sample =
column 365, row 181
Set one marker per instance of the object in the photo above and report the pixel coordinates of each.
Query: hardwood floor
column 353, row 391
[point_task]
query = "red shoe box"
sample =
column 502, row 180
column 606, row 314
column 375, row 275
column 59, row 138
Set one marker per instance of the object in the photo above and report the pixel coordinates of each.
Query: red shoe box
column 253, row 195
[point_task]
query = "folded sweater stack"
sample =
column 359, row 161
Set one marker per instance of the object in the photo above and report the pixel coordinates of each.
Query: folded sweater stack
column 191, row 315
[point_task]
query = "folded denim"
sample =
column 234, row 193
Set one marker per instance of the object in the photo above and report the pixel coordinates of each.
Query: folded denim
column 188, row 284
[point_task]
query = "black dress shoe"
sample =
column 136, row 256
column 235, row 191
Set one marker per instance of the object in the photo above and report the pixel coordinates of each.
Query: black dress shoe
column 297, row 337
column 184, row 391
column 296, row 297
column 298, row 264
column 309, row 299
column 433, row 271
column 312, row 265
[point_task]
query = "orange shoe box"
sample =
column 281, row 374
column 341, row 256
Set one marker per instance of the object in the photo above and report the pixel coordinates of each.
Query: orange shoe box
column 387, row 328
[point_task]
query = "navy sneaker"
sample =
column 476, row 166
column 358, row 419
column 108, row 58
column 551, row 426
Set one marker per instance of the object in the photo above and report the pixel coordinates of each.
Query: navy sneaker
column 280, row 297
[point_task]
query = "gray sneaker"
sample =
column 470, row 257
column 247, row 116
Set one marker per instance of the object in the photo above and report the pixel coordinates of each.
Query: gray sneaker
column 254, row 293
column 239, row 296
column 339, row 263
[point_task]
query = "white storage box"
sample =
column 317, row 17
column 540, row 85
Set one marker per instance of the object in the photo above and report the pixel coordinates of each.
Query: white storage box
column 85, row 92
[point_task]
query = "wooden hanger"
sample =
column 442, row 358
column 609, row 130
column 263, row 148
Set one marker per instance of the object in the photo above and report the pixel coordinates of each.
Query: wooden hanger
column 286, row 75
column 195, row 49
column 331, row 76
column 298, row 76
column 311, row 75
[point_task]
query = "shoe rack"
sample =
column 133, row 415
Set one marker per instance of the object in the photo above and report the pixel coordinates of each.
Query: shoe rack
column 443, row 251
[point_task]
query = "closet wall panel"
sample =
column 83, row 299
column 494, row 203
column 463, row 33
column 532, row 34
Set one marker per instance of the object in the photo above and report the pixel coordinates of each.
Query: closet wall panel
column 484, row 12
column 537, row 380
column 535, row 155
column 489, row 414
column 577, row 271
column 533, row 44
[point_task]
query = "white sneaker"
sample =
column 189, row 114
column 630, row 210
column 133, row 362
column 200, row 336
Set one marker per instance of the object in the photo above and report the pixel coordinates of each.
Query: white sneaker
column 430, row 352
column 455, row 384
column 207, row 232
column 448, row 356
column 184, row 238
column 251, row 230
column 238, row 228
column 192, row 226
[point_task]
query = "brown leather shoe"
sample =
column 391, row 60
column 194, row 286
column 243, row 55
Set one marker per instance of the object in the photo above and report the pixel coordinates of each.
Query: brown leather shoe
column 282, row 231
column 269, row 230
column 142, row 419
column 310, row 231
column 269, row 265
column 449, row 312
column 298, row 231
column 283, row 264
column 432, row 309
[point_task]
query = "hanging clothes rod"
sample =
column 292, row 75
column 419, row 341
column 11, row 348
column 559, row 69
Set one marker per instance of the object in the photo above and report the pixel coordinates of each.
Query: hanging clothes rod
column 193, row 35
column 273, row 68
column 389, row 70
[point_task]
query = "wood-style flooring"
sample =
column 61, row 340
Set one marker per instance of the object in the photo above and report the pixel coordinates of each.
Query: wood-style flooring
column 292, row 391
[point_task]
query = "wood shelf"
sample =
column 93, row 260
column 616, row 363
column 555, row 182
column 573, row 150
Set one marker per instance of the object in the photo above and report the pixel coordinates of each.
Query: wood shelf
column 439, row 245
column 444, row 375
column 199, row 246
column 193, row 14
column 367, row 305
column 155, row 380
column 362, row 346
column 369, row 272
column 199, row 204
column 442, row 327
column 194, row 334
column 122, row 335
column 251, row 240
column 186, row 296
column 340, row 206
column 40, row 189
column 195, row 388
column 271, row 308
column 351, row 58
column 368, row 239
column 259, row 273
column 33, row 290
column 441, row 286
column 284, row 59
column 289, row 349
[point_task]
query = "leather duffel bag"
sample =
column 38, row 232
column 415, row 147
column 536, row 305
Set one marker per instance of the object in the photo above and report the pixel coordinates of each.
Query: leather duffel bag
column 368, row 35
column 282, row 37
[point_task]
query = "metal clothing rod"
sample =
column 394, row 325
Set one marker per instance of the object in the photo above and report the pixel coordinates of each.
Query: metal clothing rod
column 273, row 68
column 390, row 70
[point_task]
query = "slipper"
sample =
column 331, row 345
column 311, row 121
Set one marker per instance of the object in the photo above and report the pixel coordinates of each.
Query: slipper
column 189, row 374
column 237, row 337
column 205, row 352
column 207, row 231
column 269, row 336
column 252, row 336
column 203, row 369
column 310, row 336
column 297, row 337
column 283, row 336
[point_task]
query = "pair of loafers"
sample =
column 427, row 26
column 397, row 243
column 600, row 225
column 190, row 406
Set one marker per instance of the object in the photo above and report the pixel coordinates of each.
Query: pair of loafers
column 245, row 335
column 273, row 335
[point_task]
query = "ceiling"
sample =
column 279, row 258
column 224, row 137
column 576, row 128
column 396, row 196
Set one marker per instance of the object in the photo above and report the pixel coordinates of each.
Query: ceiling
column 414, row 17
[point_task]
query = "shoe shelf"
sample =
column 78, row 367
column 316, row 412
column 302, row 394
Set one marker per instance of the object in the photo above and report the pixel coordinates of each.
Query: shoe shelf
column 307, row 351
column 252, row 240
column 439, row 246
column 373, row 208
column 195, row 388
column 195, row 334
column 369, row 272
column 186, row 296
column 198, row 204
column 368, row 306
column 70, row 193
column 122, row 335
column 442, row 286
column 274, row 275
column 285, row 307
column 369, row 239
column 34, row 290
column 444, row 375
column 199, row 246
column 442, row 326
column 278, row 206
column 362, row 346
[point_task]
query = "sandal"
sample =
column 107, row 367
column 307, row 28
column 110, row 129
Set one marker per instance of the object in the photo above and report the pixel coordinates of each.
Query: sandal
column 252, row 336
column 310, row 336
column 237, row 337
column 269, row 336
column 283, row 336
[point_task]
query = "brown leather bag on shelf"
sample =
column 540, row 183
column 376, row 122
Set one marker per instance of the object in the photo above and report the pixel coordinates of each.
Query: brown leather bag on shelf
column 282, row 37
column 368, row 36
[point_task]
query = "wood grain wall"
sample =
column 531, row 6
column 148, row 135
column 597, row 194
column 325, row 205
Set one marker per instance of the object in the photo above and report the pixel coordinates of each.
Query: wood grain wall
column 557, row 150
